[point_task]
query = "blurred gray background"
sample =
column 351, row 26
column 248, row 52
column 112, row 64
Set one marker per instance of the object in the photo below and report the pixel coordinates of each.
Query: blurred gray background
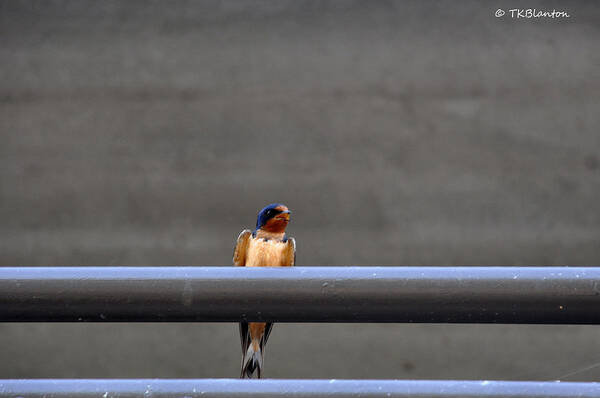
column 399, row 133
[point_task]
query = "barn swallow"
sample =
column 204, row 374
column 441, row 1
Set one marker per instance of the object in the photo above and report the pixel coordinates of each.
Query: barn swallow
column 266, row 246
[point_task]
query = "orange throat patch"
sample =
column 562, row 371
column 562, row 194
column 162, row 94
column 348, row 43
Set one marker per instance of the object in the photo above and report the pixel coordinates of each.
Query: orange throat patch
column 276, row 225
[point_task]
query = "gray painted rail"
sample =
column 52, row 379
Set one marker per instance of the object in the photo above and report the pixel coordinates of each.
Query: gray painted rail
column 235, row 388
column 550, row 295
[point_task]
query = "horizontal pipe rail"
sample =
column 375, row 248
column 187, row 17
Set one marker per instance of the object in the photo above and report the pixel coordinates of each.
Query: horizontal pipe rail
column 235, row 388
column 548, row 295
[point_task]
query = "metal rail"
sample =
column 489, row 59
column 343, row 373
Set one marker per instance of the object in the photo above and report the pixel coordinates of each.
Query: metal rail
column 235, row 388
column 550, row 295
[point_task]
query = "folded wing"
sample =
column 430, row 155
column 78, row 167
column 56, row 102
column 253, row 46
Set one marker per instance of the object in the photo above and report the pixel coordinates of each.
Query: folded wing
column 289, row 256
column 241, row 248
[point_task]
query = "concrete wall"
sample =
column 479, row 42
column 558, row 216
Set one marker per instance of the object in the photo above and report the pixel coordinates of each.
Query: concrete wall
column 399, row 133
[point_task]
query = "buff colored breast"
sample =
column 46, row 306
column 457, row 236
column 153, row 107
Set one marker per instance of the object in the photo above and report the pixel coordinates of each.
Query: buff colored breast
column 265, row 253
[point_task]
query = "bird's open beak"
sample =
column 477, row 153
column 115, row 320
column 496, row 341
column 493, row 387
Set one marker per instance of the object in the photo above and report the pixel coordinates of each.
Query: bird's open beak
column 284, row 215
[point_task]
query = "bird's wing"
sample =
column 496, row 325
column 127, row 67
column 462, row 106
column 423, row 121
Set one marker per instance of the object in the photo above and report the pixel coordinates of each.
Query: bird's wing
column 263, row 342
column 239, row 259
column 289, row 256
column 244, row 337
column 239, row 253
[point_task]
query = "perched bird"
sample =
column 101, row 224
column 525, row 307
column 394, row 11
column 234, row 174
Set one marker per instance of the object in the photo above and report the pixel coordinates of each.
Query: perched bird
column 266, row 246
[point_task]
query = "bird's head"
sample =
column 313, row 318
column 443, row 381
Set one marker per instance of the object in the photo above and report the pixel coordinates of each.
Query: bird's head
column 273, row 218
